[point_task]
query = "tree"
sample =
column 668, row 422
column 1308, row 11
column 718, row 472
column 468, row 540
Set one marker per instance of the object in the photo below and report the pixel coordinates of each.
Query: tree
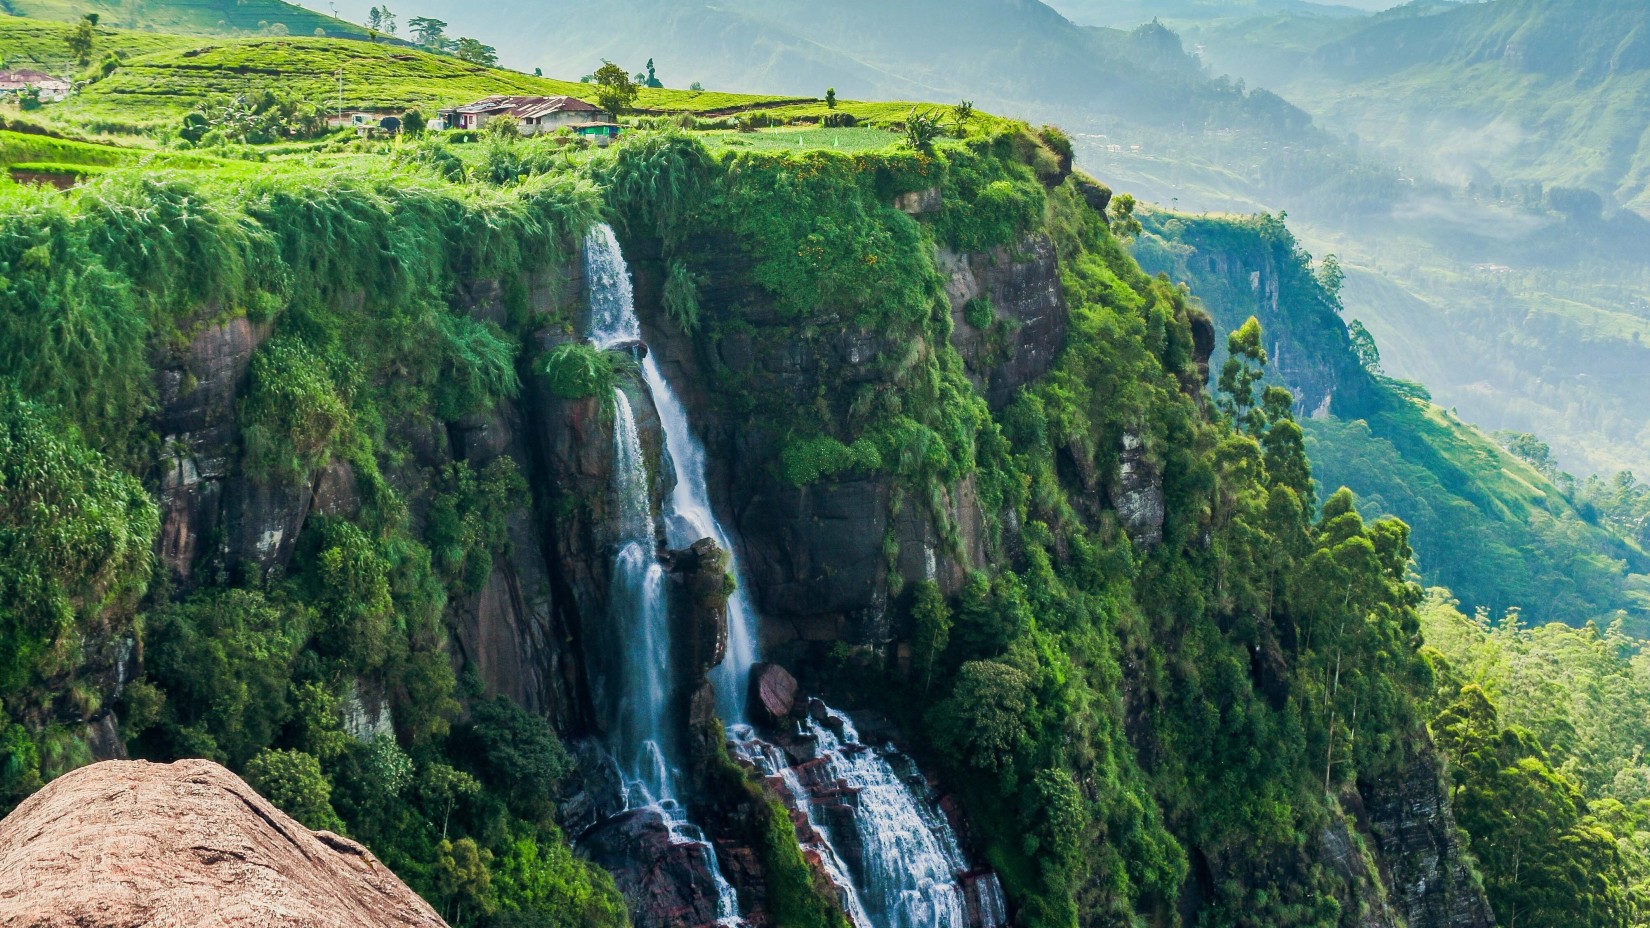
column 1331, row 277
column 293, row 781
column 462, row 876
column 82, row 39
column 517, row 754
column 375, row 20
column 473, row 51
column 984, row 722
column 961, row 115
column 412, row 123
column 1244, row 367
column 1364, row 347
column 443, row 786
column 430, row 33
column 505, row 128
column 615, row 91
column 930, row 631
column 652, row 79
column 1124, row 225
column 830, row 97
column 921, row 129
column 696, row 86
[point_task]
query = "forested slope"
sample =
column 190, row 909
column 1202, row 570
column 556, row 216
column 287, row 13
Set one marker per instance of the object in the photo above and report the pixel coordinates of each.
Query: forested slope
column 1487, row 524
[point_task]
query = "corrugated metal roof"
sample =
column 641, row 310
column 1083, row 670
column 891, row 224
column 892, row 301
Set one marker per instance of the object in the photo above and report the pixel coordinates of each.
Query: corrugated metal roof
column 527, row 107
column 25, row 77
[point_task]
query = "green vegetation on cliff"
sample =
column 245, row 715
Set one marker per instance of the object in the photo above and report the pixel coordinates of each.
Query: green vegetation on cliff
column 1160, row 668
column 349, row 274
column 1488, row 525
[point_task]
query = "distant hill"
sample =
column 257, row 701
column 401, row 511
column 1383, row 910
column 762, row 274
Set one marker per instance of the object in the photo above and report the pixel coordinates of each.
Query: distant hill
column 1017, row 56
column 1548, row 91
column 1124, row 14
column 192, row 17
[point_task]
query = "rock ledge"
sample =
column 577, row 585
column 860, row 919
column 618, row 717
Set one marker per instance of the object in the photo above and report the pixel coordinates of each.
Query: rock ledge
column 123, row 844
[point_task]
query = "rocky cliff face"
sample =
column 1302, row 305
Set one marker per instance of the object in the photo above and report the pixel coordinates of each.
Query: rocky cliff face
column 121, row 844
column 1240, row 269
column 1420, row 849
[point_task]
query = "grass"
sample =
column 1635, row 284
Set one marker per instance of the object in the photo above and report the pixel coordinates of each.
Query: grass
column 794, row 139
column 188, row 17
column 18, row 149
column 164, row 77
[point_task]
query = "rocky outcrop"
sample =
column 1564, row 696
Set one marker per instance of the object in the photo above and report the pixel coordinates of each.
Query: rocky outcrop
column 668, row 882
column 128, row 843
column 773, row 693
column 198, row 388
column 1137, row 493
column 700, row 572
column 1421, row 852
column 1018, row 288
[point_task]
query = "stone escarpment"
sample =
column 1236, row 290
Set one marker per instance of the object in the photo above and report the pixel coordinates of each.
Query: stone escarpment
column 122, row 844
column 221, row 522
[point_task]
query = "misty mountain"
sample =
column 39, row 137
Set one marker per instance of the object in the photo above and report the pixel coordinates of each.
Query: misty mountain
column 1125, row 14
column 1531, row 91
column 1015, row 56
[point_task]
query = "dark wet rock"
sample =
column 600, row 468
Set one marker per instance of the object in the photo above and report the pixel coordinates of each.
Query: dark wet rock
column 598, row 792
column 701, row 622
column 336, row 493
column 668, row 883
column 197, row 389
column 1420, row 849
column 1021, row 286
column 1094, row 193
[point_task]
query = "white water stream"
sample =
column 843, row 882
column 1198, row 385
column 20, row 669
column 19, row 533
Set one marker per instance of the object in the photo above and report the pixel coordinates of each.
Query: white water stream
column 909, row 870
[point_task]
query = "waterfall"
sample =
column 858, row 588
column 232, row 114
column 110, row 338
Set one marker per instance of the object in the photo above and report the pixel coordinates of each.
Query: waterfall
column 639, row 706
column 774, row 765
column 688, row 516
column 636, row 603
column 894, row 859
column 886, row 847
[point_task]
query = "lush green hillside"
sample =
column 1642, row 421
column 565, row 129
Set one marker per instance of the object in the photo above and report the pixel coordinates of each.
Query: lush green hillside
column 191, row 17
column 1486, row 523
column 162, row 78
column 1546, row 720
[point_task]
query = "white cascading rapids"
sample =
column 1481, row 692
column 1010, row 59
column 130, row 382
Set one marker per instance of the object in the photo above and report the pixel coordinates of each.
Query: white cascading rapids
column 643, row 743
column 910, row 871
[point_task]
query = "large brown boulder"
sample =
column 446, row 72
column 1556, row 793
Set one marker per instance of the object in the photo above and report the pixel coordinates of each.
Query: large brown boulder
column 123, row 844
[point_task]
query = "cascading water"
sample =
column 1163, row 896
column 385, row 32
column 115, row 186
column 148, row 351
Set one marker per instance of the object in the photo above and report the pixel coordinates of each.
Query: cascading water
column 906, row 869
column 688, row 514
column 642, row 741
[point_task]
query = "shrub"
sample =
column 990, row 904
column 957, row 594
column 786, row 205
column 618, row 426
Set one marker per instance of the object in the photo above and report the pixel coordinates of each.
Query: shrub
column 576, row 370
column 293, row 781
column 807, row 460
column 293, row 416
column 75, row 539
